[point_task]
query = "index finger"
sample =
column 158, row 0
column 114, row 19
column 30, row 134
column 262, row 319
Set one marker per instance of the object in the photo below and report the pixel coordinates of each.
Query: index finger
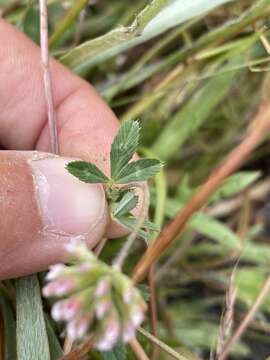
column 86, row 125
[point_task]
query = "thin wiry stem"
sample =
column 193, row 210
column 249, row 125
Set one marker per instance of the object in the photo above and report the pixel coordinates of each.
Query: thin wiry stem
column 47, row 75
column 162, row 345
column 119, row 261
column 81, row 351
column 153, row 309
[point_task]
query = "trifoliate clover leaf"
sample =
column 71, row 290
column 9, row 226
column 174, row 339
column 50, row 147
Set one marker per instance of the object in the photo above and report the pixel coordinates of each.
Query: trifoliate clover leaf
column 124, row 146
column 125, row 205
column 139, row 170
column 86, row 172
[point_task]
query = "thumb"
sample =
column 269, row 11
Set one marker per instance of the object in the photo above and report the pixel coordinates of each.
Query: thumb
column 43, row 207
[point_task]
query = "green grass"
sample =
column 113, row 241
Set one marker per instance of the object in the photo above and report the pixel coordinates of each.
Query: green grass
column 187, row 74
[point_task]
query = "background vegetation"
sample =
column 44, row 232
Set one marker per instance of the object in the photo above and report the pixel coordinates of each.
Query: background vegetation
column 192, row 73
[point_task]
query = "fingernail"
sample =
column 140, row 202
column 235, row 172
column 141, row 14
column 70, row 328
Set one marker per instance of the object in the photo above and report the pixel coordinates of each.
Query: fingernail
column 67, row 205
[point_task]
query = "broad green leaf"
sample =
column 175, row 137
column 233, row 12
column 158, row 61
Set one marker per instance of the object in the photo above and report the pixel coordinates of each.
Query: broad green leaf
column 124, row 146
column 9, row 327
column 156, row 18
column 86, row 172
column 139, row 170
column 32, row 340
column 235, row 183
column 126, row 204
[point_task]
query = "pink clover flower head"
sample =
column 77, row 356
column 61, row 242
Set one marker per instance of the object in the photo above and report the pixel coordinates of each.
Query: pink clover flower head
column 94, row 298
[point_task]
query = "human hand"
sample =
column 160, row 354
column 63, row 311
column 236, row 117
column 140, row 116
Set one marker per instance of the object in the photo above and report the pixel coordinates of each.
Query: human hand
column 42, row 206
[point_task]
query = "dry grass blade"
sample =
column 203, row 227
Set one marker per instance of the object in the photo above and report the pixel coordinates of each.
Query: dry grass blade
column 79, row 353
column 246, row 321
column 227, row 316
column 163, row 346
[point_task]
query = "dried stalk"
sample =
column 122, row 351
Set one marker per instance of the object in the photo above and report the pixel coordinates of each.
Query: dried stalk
column 153, row 309
column 80, row 351
column 235, row 159
column 247, row 319
column 162, row 345
column 47, row 75
column 138, row 350
column 227, row 317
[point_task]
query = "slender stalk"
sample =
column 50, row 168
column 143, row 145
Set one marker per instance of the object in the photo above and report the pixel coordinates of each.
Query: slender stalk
column 100, row 246
column 68, row 343
column 138, row 350
column 162, row 345
column 234, row 160
column 67, row 21
column 247, row 319
column 47, row 75
column 153, row 309
column 121, row 257
column 80, row 351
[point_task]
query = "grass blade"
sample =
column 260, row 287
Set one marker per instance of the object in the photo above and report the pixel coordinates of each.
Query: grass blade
column 32, row 340
column 156, row 18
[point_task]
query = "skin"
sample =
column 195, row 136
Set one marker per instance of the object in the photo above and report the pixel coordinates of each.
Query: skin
column 86, row 128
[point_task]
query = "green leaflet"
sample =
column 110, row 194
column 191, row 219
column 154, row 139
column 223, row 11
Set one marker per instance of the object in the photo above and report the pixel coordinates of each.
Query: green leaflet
column 139, row 170
column 86, row 172
column 125, row 205
column 124, row 146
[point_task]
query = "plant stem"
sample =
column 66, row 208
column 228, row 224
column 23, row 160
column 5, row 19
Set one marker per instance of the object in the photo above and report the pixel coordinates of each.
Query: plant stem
column 121, row 257
column 80, row 351
column 247, row 319
column 234, row 160
column 162, row 345
column 47, row 75
column 153, row 308
column 138, row 350
column 66, row 23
